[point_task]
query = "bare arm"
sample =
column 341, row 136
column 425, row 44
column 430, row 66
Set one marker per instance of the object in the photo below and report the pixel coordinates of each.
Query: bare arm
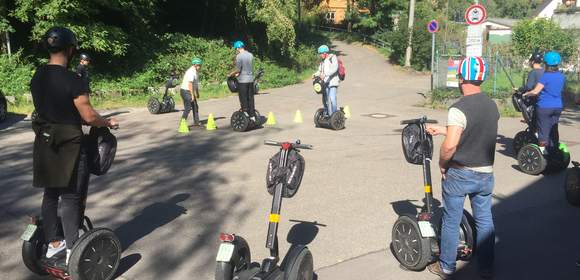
column 449, row 146
column 88, row 113
column 537, row 89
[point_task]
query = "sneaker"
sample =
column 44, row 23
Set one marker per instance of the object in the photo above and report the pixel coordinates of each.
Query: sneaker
column 543, row 150
column 53, row 251
column 436, row 269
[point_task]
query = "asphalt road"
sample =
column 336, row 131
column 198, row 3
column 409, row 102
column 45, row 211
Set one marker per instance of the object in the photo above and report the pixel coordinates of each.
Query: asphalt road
column 168, row 196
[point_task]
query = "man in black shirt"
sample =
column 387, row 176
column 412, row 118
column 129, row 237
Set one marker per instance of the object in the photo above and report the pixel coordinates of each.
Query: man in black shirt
column 83, row 71
column 60, row 162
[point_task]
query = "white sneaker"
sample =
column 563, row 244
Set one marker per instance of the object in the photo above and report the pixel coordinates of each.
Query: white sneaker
column 53, row 251
column 68, row 252
column 543, row 150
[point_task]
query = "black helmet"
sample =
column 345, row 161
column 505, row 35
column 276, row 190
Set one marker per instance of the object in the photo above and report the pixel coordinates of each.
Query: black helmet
column 85, row 56
column 58, row 39
column 536, row 57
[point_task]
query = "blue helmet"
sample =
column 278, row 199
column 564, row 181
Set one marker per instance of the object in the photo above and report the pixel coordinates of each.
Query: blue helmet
column 323, row 49
column 552, row 58
column 238, row 44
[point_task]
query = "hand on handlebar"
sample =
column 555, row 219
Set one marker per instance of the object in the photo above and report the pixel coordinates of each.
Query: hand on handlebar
column 435, row 129
column 112, row 123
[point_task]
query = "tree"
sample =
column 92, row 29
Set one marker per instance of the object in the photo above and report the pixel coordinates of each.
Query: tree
column 542, row 34
column 277, row 16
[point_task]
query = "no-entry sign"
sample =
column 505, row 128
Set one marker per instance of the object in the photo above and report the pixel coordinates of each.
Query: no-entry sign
column 475, row 14
column 433, row 26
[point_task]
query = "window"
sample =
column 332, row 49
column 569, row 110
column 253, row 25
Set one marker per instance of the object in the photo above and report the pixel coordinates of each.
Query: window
column 330, row 16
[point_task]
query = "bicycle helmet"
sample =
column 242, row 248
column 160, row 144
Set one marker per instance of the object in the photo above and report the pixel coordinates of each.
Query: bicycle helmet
column 196, row 61
column 472, row 68
column 552, row 58
column 323, row 49
column 238, row 44
column 536, row 57
column 85, row 56
column 58, row 39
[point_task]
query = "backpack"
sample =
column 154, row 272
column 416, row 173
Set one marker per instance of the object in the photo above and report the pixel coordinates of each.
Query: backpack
column 290, row 176
column 341, row 69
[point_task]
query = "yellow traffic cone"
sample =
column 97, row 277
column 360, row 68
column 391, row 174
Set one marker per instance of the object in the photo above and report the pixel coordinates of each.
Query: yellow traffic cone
column 298, row 117
column 210, row 125
column 271, row 119
column 347, row 112
column 183, row 128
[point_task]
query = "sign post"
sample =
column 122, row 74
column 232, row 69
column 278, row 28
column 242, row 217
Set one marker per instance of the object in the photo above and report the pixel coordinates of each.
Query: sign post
column 432, row 27
column 474, row 16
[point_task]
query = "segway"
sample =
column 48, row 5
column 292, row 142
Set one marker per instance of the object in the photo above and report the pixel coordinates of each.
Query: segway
column 167, row 103
column 285, row 171
column 416, row 240
column 336, row 120
column 573, row 184
column 530, row 158
column 97, row 252
column 241, row 121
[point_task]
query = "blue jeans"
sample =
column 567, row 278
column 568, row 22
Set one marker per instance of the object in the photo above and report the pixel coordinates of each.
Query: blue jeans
column 547, row 120
column 329, row 100
column 479, row 187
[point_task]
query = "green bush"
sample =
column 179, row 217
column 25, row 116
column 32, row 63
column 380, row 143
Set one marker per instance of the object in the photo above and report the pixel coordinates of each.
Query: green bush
column 542, row 34
column 15, row 74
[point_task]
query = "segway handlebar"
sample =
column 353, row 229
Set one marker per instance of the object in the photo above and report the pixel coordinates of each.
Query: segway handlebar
column 421, row 120
column 296, row 144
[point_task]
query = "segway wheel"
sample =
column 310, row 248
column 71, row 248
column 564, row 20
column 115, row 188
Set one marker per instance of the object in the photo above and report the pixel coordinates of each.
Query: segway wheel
column 523, row 138
column 259, row 121
column 239, row 121
column 241, row 260
column 153, row 106
column 337, row 120
column 299, row 266
column 409, row 247
column 32, row 252
column 573, row 186
column 531, row 160
column 318, row 116
column 96, row 255
column 3, row 109
column 34, row 116
column 171, row 104
column 466, row 237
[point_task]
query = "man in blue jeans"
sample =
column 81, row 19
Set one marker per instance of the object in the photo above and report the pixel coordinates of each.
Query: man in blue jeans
column 466, row 163
column 328, row 72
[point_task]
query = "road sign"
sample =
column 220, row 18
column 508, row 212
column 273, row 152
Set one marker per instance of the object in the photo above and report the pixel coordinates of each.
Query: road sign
column 433, row 26
column 474, row 40
column 475, row 14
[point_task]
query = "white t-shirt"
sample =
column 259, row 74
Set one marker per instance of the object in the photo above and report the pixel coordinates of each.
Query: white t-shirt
column 457, row 118
column 190, row 77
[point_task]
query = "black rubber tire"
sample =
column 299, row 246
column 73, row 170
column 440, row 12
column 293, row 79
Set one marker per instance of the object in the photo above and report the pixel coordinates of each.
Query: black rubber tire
column 531, row 160
column 337, row 120
column 299, row 265
column 154, row 106
column 258, row 122
column 318, row 116
column 572, row 186
column 523, row 138
column 466, row 237
column 411, row 250
column 239, row 121
column 95, row 256
column 171, row 104
column 33, row 250
column 241, row 260
column 34, row 116
column 3, row 109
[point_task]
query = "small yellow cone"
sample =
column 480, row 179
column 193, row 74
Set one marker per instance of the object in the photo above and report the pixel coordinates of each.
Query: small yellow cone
column 347, row 112
column 298, row 117
column 271, row 119
column 210, row 125
column 183, row 128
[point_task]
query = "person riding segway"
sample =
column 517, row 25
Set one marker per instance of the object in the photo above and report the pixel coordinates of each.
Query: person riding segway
column 241, row 80
column 63, row 159
column 548, row 154
column 325, row 82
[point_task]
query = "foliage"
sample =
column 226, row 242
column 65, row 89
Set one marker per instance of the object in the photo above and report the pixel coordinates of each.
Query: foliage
column 543, row 34
column 15, row 74
column 278, row 16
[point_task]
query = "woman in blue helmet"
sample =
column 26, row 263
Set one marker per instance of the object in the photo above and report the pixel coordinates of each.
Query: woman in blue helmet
column 549, row 106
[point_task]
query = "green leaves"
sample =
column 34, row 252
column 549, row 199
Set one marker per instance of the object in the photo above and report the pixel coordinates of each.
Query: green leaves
column 542, row 34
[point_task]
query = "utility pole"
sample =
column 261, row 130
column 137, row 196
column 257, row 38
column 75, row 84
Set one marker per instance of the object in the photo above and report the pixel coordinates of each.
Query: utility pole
column 411, row 21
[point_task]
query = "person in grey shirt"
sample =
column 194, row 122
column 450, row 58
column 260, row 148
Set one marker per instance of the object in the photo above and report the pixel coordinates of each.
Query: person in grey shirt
column 534, row 76
column 245, row 73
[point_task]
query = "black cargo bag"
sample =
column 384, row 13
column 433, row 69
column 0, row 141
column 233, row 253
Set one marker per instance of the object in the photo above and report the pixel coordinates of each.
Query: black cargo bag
column 412, row 148
column 290, row 176
column 101, row 147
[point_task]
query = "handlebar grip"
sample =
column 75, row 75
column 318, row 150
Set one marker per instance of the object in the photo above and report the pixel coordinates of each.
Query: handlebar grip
column 271, row 143
column 303, row 146
column 418, row 121
column 431, row 121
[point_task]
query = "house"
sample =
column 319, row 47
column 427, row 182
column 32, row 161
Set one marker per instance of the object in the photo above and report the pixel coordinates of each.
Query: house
column 546, row 9
column 336, row 9
column 499, row 30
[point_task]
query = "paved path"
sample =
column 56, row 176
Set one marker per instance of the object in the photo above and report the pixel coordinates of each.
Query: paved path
column 168, row 195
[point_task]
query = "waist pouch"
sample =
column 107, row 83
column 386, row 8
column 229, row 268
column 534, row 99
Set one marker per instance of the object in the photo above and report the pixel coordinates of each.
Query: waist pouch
column 101, row 147
column 290, row 176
